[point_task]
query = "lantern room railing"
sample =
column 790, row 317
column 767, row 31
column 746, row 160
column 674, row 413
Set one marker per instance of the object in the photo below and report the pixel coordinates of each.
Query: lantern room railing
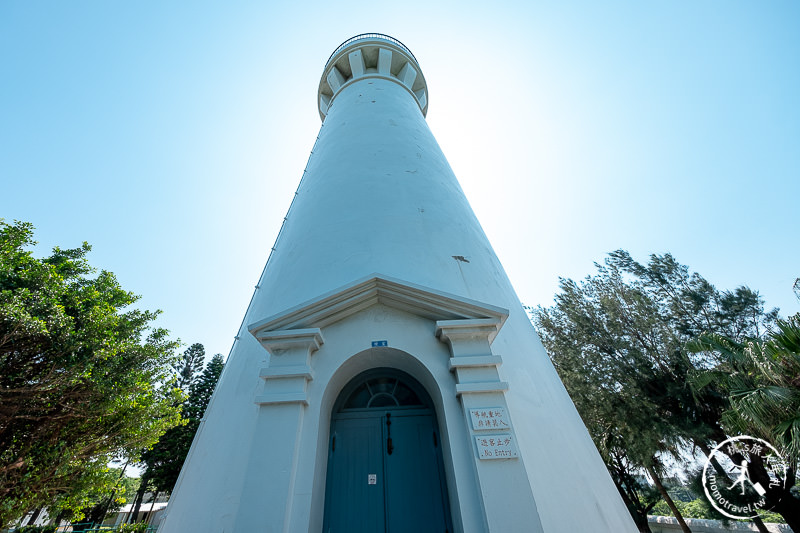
column 361, row 36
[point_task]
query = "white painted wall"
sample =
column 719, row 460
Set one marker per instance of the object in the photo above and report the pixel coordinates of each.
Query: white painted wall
column 379, row 197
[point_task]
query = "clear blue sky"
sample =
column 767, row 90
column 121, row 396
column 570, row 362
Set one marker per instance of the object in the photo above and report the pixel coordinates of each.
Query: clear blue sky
column 171, row 135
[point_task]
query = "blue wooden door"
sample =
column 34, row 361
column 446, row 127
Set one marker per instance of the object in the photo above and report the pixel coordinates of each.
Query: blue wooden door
column 415, row 495
column 355, row 502
column 385, row 475
column 385, row 472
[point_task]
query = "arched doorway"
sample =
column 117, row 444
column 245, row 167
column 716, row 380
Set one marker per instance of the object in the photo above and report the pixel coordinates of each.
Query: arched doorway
column 385, row 470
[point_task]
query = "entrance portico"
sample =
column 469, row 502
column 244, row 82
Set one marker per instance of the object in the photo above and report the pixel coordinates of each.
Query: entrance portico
column 440, row 342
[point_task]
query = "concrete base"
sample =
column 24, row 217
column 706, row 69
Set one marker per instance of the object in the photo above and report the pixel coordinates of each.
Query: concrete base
column 669, row 524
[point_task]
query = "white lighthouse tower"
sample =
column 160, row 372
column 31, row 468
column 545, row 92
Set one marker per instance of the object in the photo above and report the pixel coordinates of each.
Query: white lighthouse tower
column 386, row 377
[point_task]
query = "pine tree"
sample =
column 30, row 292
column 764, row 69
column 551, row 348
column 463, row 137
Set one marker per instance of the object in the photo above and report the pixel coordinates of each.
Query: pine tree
column 618, row 339
column 190, row 364
column 203, row 388
column 165, row 459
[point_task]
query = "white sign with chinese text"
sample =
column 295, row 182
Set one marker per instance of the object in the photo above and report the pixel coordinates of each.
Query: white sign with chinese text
column 491, row 418
column 496, row 446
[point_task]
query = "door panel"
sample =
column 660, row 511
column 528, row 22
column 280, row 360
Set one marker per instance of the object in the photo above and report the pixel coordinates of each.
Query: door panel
column 409, row 494
column 415, row 500
column 352, row 505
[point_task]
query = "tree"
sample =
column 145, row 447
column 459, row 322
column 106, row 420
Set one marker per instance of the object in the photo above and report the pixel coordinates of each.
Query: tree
column 761, row 380
column 101, row 500
column 83, row 378
column 190, row 363
column 638, row 495
column 617, row 341
column 165, row 459
column 163, row 462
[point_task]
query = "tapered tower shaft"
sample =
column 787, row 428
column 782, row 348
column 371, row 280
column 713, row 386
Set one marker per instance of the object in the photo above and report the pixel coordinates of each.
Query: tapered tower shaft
column 378, row 194
column 382, row 281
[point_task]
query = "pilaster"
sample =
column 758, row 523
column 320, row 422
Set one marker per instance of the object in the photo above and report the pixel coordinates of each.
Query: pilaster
column 506, row 492
column 279, row 425
column 289, row 371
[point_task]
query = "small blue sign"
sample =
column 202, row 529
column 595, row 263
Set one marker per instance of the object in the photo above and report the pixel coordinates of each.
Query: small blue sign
column 380, row 343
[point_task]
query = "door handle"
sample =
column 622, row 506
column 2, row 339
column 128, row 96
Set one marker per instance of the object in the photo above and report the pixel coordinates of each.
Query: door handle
column 389, row 447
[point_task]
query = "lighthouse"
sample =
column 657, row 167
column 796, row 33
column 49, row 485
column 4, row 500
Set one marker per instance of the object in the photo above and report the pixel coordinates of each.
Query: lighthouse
column 386, row 377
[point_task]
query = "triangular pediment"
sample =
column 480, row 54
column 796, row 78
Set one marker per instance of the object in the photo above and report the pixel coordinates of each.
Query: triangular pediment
column 376, row 289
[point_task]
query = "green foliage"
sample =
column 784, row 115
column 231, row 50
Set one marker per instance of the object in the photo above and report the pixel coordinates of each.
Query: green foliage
column 697, row 508
column 762, row 380
column 638, row 495
column 617, row 341
column 126, row 491
column 689, row 500
column 165, row 459
column 137, row 527
column 190, row 363
column 700, row 508
column 36, row 529
column 107, row 497
column 769, row 516
column 82, row 379
column 203, row 388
